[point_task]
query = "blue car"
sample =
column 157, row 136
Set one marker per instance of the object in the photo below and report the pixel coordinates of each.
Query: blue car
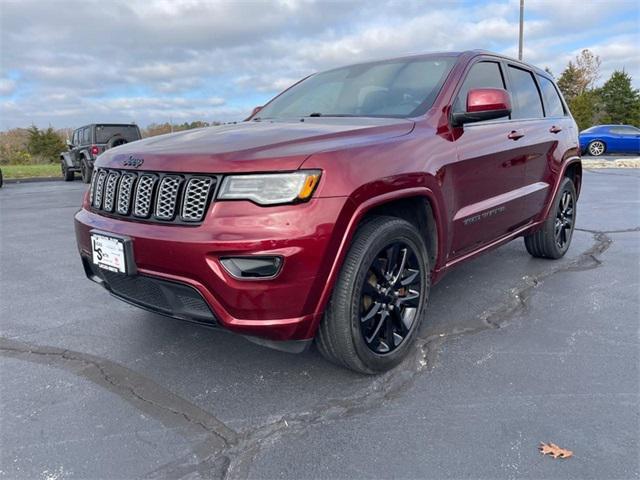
column 602, row 139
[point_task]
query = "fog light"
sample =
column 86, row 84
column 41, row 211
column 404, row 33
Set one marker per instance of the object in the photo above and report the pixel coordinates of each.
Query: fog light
column 252, row 267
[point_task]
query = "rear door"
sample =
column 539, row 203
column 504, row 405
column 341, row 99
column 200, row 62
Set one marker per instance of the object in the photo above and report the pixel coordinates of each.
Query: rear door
column 550, row 137
column 548, row 132
column 488, row 179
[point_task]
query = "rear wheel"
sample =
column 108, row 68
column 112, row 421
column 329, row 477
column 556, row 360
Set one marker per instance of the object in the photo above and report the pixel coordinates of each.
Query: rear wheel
column 379, row 298
column 85, row 171
column 596, row 148
column 67, row 174
column 554, row 238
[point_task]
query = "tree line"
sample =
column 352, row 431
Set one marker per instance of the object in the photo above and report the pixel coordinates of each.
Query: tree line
column 24, row 146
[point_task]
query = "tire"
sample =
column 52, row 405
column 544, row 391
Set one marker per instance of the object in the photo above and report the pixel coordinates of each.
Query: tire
column 67, row 174
column 596, row 148
column 85, row 171
column 544, row 243
column 116, row 142
column 361, row 320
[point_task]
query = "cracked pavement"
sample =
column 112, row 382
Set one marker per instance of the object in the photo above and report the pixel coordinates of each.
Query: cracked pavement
column 514, row 351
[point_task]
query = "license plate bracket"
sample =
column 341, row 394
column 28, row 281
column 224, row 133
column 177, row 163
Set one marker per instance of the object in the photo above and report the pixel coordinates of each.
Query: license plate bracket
column 112, row 252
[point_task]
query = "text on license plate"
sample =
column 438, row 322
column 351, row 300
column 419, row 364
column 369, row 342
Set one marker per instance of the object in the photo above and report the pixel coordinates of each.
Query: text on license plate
column 108, row 253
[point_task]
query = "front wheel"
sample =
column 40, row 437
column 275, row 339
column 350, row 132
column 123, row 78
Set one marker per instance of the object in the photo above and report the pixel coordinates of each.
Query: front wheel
column 554, row 238
column 67, row 174
column 596, row 148
column 379, row 298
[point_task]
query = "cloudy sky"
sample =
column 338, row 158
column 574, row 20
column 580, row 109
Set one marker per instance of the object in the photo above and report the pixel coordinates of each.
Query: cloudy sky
column 65, row 63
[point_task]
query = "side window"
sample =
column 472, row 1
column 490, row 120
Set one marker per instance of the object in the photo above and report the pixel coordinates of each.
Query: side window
column 85, row 136
column 624, row 130
column 481, row 75
column 527, row 103
column 75, row 139
column 552, row 103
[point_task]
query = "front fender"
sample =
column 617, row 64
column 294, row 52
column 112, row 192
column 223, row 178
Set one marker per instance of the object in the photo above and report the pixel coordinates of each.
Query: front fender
column 66, row 158
column 355, row 209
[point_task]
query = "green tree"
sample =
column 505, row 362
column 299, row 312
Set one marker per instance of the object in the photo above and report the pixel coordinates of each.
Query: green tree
column 584, row 108
column 568, row 82
column 621, row 102
column 46, row 144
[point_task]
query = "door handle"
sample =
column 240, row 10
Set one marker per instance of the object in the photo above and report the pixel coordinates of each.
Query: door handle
column 515, row 134
column 555, row 129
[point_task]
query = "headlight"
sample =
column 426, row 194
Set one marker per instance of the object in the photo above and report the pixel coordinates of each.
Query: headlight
column 270, row 188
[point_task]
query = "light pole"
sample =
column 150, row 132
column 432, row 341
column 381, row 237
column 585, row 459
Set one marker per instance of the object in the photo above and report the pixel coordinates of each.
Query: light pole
column 521, row 29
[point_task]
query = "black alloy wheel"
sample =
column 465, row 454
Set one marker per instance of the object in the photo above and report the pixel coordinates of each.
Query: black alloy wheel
column 553, row 238
column 564, row 220
column 379, row 299
column 391, row 298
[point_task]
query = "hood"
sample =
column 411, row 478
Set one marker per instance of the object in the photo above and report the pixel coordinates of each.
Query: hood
column 253, row 146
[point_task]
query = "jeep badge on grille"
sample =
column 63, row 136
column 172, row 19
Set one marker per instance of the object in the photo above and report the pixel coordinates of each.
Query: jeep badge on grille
column 132, row 162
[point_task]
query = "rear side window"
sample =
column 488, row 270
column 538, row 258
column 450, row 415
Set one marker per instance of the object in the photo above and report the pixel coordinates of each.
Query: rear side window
column 552, row 103
column 481, row 75
column 86, row 136
column 625, row 130
column 525, row 94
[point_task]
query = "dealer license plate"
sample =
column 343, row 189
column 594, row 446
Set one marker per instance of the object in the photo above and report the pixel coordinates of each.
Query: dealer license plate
column 109, row 253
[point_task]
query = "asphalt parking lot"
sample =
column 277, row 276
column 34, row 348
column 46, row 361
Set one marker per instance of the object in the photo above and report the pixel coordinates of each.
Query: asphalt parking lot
column 514, row 351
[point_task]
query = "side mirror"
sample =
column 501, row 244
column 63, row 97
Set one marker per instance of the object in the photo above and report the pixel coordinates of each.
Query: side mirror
column 253, row 112
column 484, row 104
column 69, row 144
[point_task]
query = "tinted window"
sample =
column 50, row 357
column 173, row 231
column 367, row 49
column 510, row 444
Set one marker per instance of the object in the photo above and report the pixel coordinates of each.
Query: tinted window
column 104, row 133
column 525, row 94
column 86, row 135
column 481, row 75
column 552, row 103
column 624, row 130
column 396, row 88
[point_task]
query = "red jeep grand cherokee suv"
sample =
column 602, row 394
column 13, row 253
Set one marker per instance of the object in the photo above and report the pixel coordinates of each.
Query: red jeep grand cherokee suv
column 331, row 211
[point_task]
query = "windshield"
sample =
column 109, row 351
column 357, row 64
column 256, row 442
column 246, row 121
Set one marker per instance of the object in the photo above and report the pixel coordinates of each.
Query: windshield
column 395, row 88
column 104, row 133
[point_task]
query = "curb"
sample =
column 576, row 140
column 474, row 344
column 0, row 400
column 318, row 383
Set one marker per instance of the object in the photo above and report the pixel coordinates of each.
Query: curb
column 32, row 180
column 617, row 163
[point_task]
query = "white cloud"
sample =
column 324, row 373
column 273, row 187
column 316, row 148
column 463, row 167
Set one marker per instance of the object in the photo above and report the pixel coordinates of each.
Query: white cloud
column 7, row 86
column 151, row 59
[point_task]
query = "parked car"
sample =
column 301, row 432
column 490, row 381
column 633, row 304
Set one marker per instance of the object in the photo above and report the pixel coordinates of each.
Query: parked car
column 89, row 141
column 603, row 139
column 332, row 210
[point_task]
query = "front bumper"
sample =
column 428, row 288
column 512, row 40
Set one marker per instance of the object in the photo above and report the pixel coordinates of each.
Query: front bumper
column 186, row 258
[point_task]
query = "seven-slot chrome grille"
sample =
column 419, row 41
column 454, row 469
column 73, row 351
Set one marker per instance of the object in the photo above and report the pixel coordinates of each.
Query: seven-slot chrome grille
column 152, row 196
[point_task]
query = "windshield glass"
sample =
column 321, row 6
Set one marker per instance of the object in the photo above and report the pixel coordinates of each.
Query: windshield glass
column 395, row 88
column 104, row 133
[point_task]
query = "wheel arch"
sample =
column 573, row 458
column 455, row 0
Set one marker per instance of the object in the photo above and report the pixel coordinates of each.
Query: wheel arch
column 430, row 221
column 574, row 171
column 66, row 158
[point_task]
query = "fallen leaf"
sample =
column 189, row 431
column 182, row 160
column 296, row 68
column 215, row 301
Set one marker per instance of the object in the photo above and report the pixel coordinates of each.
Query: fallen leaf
column 554, row 450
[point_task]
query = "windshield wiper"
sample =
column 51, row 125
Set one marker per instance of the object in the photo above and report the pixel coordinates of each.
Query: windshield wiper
column 318, row 114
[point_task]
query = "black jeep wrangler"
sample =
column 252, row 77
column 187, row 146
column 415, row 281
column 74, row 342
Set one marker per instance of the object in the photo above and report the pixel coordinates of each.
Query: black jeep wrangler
column 90, row 141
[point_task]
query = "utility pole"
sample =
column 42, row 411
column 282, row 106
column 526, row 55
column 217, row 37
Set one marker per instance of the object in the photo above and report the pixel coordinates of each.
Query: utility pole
column 521, row 29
